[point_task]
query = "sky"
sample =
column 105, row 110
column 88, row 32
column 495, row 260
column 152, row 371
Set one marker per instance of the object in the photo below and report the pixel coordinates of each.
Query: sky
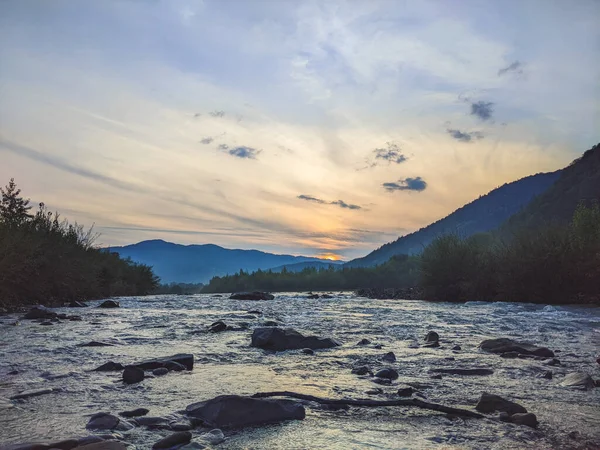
column 319, row 128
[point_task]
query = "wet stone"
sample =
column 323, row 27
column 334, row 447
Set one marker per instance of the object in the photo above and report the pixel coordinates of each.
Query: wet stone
column 160, row 371
column 104, row 445
column 389, row 357
column 460, row 371
column 388, row 373
column 109, row 304
column 382, row 381
column 173, row 366
column 551, row 362
column 103, row 421
column 405, row 391
column 579, row 380
column 32, row 393
column 504, row 345
column 109, row 367
column 151, row 421
column 134, row 412
column 490, row 402
column 67, row 444
column 180, row 426
column 456, row 348
column 132, row 375
column 308, row 351
column 432, row 336
column 361, row 370
column 217, row 327
column 527, row 419
column 509, row 355
column 214, row 437
column 364, row 341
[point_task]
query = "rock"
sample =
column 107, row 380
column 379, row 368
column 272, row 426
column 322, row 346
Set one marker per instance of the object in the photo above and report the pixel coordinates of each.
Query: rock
column 364, row 341
column 527, row 419
column 388, row 373
column 47, row 323
column 433, row 344
column 104, row 445
column 180, row 426
column 27, row 446
column 67, row 444
column 160, row 371
column 504, row 345
column 134, row 412
column 31, row 393
column 383, row 381
column 103, row 421
column 255, row 311
column 173, row 440
column 151, row 421
column 233, row 411
column 279, row 339
column 405, row 391
column 76, row 304
column 96, row 344
column 460, row 371
column 509, row 355
column 490, row 402
column 256, row 295
column 186, row 359
column 389, row 357
column 326, row 296
column 312, row 296
column 308, row 351
column 217, row 327
column 375, row 391
column 456, row 348
column 132, row 374
column 193, row 446
column 504, row 417
column 437, row 376
column 432, row 336
column 551, row 362
column 214, row 437
column 361, row 370
column 578, row 380
column 109, row 304
column 39, row 312
column 269, row 323
column 174, row 366
column 547, row 375
column 109, row 367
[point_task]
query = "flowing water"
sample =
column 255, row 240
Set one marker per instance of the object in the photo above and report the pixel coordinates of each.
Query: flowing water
column 34, row 356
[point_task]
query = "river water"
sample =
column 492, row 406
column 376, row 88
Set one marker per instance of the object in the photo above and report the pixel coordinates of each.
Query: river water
column 147, row 327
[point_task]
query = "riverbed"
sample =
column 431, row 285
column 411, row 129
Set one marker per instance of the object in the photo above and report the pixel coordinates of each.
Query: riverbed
column 37, row 357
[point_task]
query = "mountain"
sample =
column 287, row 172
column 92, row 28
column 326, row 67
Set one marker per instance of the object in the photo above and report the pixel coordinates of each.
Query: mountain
column 486, row 213
column 578, row 182
column 299, row 267
column 199, row 263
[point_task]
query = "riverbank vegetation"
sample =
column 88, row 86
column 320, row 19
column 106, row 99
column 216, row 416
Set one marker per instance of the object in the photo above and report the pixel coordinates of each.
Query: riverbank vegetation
column 548, row 264
column 44, row 259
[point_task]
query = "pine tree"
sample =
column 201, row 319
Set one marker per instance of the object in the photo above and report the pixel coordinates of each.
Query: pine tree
column 14, row 209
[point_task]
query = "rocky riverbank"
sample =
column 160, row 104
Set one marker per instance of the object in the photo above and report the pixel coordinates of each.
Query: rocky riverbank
column 212, row 372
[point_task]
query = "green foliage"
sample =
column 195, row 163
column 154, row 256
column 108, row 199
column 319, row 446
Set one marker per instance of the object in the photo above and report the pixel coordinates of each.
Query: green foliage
column 400, row 271
column 550, row 264
column 179, row 288
column 46, row 260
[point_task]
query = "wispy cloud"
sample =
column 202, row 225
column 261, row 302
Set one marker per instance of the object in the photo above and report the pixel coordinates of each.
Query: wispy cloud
column 516, row 68
column 407, row 184
column 391, row 154
column 217, row 113
column 206, row 140
column 483, row 110
column 244, row 152
column 465, row 136
column 340, row 203
column 223, row 147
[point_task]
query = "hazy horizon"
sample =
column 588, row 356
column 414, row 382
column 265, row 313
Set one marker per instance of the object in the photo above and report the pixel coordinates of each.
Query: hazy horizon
column 306, row 128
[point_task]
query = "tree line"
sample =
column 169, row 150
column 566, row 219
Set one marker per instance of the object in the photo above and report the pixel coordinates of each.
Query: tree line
column 553, row 263
column 45, row 259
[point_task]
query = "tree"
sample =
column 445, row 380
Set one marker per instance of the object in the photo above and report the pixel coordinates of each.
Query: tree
column 14, row 209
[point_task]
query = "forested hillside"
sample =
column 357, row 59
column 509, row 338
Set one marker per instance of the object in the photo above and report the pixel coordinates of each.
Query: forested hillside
column 484, row 214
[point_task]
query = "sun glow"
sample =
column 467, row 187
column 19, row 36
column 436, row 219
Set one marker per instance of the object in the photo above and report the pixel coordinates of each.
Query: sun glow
column 330, row 256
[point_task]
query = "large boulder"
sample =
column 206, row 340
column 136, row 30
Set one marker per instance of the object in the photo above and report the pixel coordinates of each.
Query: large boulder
column 489, row 403
column 234, row 411
column 579, row 380
column 528, row 419
column 387, row 373
column 39, row 312
column 505, row 345
column 256, row 295
column 279, row 339
column 185, row 359
column 109, row 304
column 132, row 375
column 103, row 421
column 110, row 366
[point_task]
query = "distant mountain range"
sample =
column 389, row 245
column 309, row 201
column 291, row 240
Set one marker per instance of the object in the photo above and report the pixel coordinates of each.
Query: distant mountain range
column 199, row 263
column 486, row 213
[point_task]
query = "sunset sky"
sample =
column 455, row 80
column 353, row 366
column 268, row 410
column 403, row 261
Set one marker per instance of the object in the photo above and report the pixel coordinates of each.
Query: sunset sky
column 314, row 128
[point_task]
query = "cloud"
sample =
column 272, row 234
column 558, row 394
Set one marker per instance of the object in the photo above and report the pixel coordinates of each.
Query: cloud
column 223, row 147
column 391, row 154
column 482, row 109
column 340, row 203
column 465, row 136
column 207, row 140
column 244, row 152
column 407, row 184
column 516, row 67
column 217, row 113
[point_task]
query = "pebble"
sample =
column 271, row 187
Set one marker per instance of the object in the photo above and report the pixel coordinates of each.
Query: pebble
column 213, row 437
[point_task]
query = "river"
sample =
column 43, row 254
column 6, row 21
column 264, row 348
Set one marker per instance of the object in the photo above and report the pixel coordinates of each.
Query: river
column 34, row 357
